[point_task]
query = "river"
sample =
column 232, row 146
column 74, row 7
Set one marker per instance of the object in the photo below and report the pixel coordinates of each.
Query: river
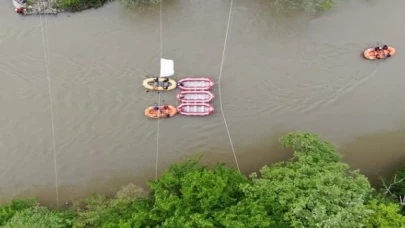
column 281, row 73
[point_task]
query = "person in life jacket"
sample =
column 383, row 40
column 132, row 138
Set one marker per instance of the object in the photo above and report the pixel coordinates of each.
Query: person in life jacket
column 165, row 83
column 155, row 83
column 20, row 10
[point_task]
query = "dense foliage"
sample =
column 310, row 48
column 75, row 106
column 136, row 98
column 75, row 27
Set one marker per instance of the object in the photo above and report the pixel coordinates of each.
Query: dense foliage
column 311, row 6
column 140, row 3
column 78, row 5
column 283, row 6
column 9, row 210
column 313, row 189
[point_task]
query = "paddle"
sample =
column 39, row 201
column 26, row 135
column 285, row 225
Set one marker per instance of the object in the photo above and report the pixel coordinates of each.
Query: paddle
column 149, row 90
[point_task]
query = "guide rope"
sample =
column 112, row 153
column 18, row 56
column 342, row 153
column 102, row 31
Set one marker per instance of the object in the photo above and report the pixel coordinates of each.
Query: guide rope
column 219, row 84
column 45, row 44
column 158, row 119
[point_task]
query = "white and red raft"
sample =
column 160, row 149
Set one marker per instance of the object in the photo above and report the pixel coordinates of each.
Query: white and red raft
column 195, row 84
column 195, row 96
column 196, row 109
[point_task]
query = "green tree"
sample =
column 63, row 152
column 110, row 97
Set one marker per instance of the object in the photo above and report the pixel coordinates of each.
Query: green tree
column 78, row 5
column 311, row 6
column 140, row 3
column 98, row 211
column 189, row 195
column 9, row 210
column 313, row 189
column 395, row 187
column 385, row 215
column 39, row 217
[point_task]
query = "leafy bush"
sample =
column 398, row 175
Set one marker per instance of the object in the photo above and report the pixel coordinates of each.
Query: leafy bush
column 189, row 195
column 140, row 3
column 311, row 6
column 98, row 211
column 394, row 189
column 9, row 210
column 385, row 215
column 78, row 5
column 39, row 217
column 314, row 189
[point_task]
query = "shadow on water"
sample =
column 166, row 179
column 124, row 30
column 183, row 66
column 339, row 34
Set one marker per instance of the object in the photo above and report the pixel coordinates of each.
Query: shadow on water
column 376, row 155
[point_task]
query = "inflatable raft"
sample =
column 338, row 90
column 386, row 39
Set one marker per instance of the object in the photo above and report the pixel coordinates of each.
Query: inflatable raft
column 371, row 54
column 195, row 96
column 149, row 84
column 196, row 109
column 162, row 112
column 195, row 84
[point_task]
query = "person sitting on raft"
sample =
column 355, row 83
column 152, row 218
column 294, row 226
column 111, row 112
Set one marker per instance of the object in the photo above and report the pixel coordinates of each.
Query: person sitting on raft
column 381, row 52
column 165, row 83
column 155, row 82
column 386, row 51
column 165, row 109
column 155, row 107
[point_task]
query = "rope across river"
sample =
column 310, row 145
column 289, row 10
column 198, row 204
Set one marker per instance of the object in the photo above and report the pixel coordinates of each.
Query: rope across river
column 219, row 89
column 45, row 43
column 219, row 84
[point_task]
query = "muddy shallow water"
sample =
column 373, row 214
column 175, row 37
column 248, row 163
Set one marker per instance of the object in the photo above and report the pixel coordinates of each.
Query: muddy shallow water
column 280, row 74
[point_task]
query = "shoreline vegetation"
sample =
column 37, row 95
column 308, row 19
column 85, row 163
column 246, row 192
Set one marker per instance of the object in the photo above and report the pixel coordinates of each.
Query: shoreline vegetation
column 312, row 189
column 35, row 7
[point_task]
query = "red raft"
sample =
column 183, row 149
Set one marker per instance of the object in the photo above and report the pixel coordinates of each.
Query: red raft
column 194, row 96
column 195, row 83
column 197, row 109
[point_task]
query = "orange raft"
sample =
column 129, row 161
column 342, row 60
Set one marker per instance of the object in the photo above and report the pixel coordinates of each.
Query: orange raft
column 162, row 112
column 371, row 54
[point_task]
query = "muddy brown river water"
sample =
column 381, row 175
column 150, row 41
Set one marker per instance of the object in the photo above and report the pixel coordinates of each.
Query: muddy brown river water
column 281, row 73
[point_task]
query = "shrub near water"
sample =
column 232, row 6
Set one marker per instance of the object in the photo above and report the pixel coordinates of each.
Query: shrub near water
column 78, row 5
column 140, row 3
column 311, row 6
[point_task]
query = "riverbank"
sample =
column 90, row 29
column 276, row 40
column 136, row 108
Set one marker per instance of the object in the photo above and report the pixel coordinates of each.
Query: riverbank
column 191, row 194
column 46, row 7
column 36, row 7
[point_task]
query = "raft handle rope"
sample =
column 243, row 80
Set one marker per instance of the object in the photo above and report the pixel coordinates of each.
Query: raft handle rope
column 45, row 44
